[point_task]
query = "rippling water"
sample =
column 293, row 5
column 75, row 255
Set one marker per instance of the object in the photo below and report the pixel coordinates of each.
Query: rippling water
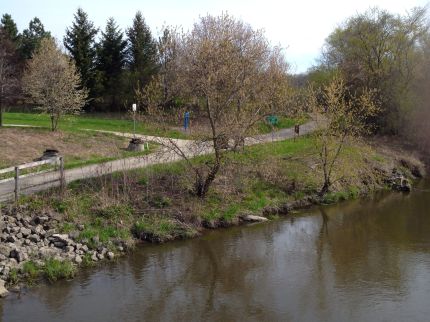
column 364, row 260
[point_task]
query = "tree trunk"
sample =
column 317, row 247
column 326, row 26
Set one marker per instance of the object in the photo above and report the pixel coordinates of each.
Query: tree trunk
column 209, row 179
column 1, row 115
column 52, row 123
column 325, row 188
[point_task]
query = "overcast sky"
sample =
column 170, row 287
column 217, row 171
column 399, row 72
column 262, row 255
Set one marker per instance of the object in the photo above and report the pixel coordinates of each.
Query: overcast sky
column 299, row 26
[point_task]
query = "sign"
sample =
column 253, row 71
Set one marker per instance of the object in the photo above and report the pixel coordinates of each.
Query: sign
column 134, row 107
column 272, row 119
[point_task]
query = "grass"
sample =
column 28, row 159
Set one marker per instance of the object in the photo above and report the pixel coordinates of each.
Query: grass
column 54, row 270
column 31, row 271
column 77, row 123
column 155, row 203
column 78, row 149
column 159, row 229
column 265, row 127
column 76, row 162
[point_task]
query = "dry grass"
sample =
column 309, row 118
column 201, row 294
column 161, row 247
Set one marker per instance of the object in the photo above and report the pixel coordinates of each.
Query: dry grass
column 21, row 145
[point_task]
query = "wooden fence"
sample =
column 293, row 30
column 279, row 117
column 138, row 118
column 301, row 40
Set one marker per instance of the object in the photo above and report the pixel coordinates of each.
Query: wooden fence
column 17, row 174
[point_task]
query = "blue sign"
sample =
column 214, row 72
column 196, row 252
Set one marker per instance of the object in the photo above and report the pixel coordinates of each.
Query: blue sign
column 186, row 120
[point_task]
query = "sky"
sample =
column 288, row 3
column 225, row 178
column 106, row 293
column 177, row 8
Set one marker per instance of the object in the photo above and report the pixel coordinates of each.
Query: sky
column 299, row 26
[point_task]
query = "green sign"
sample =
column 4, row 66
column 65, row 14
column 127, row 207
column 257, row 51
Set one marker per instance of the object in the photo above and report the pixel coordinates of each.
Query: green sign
column 272, row 119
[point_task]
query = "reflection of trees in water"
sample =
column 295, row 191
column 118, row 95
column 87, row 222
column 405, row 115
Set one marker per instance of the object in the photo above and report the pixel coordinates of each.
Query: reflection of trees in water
column 203, row 272
column 367, row 238
column 322, row 241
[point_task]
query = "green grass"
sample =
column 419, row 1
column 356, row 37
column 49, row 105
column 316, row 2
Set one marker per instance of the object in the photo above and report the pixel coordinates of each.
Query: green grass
column 76, row 162
column 334, row 197
column 31, row 271
column 55, row 270
column 160, row 229
column 265, row 127
column 77, row 123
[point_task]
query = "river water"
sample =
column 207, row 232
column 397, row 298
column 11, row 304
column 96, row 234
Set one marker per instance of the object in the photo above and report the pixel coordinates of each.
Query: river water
column 363, row 260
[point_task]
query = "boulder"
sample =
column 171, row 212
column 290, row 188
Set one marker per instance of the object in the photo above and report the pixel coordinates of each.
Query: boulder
column 253, row 218
column 3, row 290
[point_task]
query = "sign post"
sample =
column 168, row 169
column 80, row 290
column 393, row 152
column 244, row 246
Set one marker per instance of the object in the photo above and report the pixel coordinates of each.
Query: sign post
column 134, row 108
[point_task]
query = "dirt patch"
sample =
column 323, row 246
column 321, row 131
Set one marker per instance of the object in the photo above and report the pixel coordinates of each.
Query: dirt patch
column 21, row 145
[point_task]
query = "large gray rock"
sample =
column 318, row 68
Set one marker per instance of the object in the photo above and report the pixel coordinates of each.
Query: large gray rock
column 253, row 218
column 3, row 290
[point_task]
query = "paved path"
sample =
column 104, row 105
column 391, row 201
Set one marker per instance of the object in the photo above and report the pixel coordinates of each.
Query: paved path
column 168, row 153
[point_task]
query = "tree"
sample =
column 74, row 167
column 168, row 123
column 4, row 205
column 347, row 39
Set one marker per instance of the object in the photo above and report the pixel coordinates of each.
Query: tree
column 80, row 42
column 9, row 27
column 9, row 72
column 378, row 50
column 52, row 82
column 341, row 117
column 142, row 51
column 230, row 77
column 32, row 37
column 111, row 60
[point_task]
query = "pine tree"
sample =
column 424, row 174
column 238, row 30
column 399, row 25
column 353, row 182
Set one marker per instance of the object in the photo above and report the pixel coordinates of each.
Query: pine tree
column 111, row 57
column 10, row 69
column 32, row 37
column 142, row 51
column 79, row 41
column 9, row 27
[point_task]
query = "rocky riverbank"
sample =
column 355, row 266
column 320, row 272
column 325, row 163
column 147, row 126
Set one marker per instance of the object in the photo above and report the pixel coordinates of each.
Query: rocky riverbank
column 27, row 237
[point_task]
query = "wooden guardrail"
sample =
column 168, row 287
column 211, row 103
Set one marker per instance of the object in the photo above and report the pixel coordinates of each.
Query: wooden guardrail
column 17, row 172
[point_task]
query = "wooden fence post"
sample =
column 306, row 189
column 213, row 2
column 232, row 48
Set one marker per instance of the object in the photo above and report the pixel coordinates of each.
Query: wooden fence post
column 16, row 184
column 62, row 178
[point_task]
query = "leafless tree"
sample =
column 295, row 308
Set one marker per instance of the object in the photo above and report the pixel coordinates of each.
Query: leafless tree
column 229, row 76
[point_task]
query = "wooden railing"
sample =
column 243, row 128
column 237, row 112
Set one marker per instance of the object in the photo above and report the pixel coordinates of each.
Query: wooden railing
column 17, row 173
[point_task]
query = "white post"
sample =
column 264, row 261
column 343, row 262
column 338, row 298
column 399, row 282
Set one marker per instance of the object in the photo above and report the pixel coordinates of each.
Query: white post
column 134, row 107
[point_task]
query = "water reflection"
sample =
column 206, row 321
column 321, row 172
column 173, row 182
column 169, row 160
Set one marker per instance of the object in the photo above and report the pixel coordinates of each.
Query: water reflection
column 359, row 261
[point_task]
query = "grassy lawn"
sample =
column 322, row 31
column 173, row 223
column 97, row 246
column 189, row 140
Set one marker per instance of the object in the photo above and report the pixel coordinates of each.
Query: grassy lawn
column 77, row 123
column 283, row 123
column 23, row 145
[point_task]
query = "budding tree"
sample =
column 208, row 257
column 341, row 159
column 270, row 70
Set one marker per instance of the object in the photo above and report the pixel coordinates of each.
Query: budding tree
column 341, row 118
column 229, row 76
column 52, row 82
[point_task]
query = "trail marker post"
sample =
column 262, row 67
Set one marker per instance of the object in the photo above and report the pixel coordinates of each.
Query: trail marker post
column 134, row 109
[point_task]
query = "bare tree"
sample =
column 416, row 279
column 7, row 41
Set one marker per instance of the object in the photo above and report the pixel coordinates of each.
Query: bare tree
column 229, row 76
column 9, row 79
column 341, row 118
column 52, row 82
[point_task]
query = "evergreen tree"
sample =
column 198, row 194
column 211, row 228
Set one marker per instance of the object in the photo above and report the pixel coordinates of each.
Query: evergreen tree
column 79, row 41
column 10, row 70
column 142, row 51
column 111, row 60
column 9, row 27
column 32, row 37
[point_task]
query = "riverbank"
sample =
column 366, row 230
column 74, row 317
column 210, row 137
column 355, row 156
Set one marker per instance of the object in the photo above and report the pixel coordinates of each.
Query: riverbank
column 110, row 213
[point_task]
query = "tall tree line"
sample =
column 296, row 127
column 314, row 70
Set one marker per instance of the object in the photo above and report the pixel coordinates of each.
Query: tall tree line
column 115, row 65
column 112, row 63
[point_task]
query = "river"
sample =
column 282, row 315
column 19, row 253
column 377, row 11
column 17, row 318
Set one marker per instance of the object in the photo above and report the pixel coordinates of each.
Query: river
column 361, row 260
